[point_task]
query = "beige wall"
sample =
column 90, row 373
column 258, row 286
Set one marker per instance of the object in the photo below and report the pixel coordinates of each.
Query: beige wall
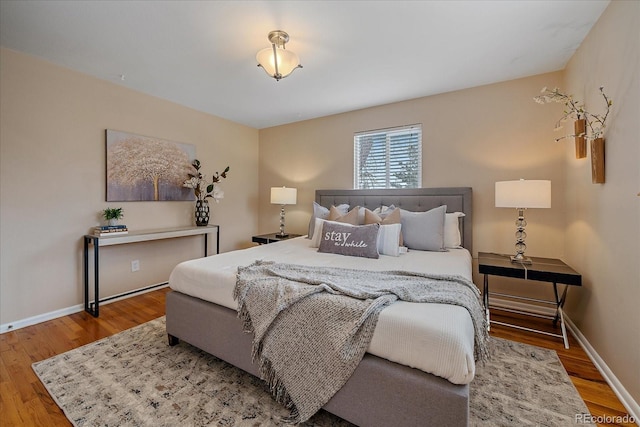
column 472, row 137
column 603, row 220
column 477, row 136
column 52, row 183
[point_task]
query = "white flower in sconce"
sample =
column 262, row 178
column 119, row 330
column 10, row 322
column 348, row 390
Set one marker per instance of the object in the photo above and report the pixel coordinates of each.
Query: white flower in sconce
column 576, row 110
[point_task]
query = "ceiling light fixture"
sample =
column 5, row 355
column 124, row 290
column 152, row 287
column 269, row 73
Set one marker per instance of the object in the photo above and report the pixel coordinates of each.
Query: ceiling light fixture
column 275, row 60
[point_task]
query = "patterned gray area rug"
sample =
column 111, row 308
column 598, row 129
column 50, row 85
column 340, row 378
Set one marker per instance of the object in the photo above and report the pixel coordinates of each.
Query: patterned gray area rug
column 135, row 379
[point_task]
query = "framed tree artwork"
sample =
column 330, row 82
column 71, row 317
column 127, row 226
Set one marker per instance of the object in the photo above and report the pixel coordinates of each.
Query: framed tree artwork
column 145, row 168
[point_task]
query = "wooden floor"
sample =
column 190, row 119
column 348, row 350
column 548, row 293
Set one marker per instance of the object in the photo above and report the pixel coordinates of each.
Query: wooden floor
column 25, row 402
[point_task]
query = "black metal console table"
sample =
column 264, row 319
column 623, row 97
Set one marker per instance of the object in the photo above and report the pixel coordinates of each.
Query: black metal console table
column 93, row 307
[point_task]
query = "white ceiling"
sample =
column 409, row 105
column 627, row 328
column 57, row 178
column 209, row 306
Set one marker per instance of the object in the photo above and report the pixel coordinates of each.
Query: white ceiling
column 356, row 54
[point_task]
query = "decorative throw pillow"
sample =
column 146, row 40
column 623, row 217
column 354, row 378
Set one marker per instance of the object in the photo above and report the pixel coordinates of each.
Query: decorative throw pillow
column 317, row 232
column 424, row 230
column 384, row 218
column 361, row 215
column 388, row 237
column 350, row 217
column 452, row 237
column 350, row 240
column 320, row 211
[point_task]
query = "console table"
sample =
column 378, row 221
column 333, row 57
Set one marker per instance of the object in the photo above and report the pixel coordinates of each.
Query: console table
column 93, row 307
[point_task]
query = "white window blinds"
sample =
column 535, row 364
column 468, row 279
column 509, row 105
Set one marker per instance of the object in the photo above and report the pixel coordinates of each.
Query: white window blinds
column 388, row 158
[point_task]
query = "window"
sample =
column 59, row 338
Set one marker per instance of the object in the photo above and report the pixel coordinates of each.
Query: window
column 388, row 158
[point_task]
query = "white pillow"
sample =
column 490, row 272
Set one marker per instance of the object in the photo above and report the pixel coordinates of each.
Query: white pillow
column 388, row 238
column 452, row 238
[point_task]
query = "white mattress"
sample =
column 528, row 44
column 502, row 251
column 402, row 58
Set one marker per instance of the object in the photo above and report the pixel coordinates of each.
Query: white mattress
column 435, row 338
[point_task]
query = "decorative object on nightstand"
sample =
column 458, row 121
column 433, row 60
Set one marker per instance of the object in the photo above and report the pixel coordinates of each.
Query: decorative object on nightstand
column 522, row 194
column 283, row 196
column 275, row 60
column 197, row 181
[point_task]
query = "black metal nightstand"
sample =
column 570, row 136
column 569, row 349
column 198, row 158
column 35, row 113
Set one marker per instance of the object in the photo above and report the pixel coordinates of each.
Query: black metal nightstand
column 263, row 239
column 544, row 270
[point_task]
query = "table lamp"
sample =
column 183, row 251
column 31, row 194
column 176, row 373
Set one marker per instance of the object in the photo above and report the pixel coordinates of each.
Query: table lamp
column 283, row 196
column 522, row 194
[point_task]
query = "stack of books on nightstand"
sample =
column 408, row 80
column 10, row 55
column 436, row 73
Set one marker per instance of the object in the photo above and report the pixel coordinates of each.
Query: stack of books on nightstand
column 110, row 230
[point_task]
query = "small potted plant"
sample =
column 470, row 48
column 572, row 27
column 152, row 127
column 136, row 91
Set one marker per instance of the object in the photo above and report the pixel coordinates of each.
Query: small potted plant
column 112, row 215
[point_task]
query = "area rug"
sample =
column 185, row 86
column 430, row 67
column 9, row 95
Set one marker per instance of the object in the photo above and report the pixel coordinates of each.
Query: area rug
column 135, row 379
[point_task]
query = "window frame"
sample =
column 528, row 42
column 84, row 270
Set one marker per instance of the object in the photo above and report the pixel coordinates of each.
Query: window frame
column 389, row 134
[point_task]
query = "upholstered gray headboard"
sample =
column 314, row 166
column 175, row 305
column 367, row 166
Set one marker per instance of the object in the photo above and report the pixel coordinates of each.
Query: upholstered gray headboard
column 457, row 199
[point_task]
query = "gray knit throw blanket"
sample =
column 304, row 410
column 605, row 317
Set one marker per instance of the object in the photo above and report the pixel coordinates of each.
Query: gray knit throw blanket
column 312, row 325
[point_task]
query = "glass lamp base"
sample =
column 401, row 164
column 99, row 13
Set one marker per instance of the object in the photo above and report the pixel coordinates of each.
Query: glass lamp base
column 521, row 260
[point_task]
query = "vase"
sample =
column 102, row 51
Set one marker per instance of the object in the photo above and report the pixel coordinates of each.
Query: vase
column 202, row 213
column 580, row 129
column 597, row 161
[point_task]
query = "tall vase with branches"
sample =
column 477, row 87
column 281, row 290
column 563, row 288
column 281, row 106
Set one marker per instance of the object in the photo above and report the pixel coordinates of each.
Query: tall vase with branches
column 597, row 123
column 204, row 190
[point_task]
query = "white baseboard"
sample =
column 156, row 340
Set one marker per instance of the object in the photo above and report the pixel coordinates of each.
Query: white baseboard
column 625, row 398
column 29, row 321
column 23, row 323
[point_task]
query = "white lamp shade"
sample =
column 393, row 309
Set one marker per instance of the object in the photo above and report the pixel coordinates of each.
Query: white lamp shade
column 284, row 196
column 287, row 61
column 523, row 194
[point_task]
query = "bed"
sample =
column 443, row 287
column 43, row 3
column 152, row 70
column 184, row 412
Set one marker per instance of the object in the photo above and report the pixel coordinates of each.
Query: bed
column 381, row 392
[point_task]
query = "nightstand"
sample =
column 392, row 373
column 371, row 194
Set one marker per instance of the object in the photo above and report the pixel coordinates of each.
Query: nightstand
column 548, row 270
column 264, row 239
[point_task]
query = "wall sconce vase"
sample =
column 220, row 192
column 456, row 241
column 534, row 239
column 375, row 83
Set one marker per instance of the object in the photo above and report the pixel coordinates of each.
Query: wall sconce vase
column 580, row 132
column 597, row 161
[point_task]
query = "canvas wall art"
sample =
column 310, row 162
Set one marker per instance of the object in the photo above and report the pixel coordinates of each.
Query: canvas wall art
column 147, row 168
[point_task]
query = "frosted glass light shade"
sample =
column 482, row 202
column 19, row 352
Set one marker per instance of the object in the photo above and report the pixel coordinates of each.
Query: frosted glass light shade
column 283, row 196
column 287, row 61
column 523, row 194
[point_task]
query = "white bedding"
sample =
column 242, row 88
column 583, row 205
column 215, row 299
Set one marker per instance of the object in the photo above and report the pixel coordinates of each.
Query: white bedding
column 435, row 338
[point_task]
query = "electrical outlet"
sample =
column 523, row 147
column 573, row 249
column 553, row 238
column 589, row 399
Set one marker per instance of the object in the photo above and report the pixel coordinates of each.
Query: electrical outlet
column 135, row 265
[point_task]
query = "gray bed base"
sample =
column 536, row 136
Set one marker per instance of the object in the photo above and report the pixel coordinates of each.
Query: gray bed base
column 380, row 393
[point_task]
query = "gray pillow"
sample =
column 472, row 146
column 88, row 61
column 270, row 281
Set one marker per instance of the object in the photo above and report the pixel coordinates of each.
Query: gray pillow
column 424, row 231
column 351, row 240
column 321, row 212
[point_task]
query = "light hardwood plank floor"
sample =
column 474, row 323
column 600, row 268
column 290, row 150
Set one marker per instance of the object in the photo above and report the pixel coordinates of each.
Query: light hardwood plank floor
column 25, row 402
